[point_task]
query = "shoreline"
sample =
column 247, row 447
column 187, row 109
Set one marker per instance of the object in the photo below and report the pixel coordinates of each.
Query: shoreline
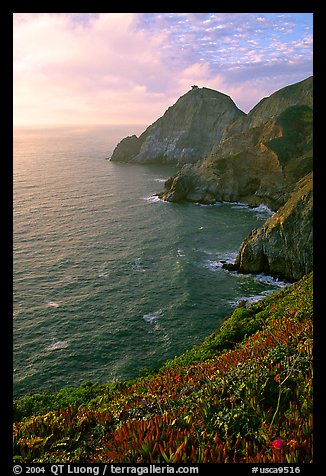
column 222, row 401
column 241, row 302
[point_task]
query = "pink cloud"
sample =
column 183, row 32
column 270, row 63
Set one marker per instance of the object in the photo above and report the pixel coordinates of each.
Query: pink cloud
column 101, row 72
column 113, row 68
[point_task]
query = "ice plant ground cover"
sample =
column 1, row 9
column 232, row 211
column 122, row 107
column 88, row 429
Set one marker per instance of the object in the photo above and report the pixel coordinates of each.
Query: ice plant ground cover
column 243, row 395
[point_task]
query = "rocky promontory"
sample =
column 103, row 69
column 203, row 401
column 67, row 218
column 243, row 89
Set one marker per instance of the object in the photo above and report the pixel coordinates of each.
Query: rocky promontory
column 259, row 159
column 263, row 157
column 283, row 245
column 186, row 133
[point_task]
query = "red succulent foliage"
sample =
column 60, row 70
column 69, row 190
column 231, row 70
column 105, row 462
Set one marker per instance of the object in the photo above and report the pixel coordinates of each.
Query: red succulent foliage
column 251, row 403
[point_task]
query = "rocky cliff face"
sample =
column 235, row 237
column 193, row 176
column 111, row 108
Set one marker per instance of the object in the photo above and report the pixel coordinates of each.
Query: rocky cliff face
column 257, row 164
column 298, row 93
column 283, row 245
column 272, row 106
column 264, row 157
column 186, row 133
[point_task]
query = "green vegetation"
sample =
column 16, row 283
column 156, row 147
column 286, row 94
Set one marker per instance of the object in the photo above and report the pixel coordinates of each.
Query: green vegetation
column 221, row 165
column 296, row 124
column 299, row 167
column 244, row 395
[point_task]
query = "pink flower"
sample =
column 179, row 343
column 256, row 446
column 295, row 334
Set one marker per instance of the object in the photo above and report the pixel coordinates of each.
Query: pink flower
column 177, row 377
column 277, row 444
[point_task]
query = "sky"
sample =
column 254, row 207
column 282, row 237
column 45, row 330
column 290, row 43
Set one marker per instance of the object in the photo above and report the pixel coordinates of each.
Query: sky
column 128, row 68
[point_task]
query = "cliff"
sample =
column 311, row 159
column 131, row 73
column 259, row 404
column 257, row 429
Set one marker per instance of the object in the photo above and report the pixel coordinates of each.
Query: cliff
column 276, row 103
column 244, row 395
column 272, row 106
column 264, row 157
column 283, row 245
column 187, row 132
column 259, row 158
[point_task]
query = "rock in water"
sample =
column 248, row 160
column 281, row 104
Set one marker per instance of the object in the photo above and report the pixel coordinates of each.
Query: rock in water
column 187, row 132
column 283, row 245
column 129, row 146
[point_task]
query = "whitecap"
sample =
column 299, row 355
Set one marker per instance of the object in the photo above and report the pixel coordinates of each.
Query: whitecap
column 154, row 199
column 160, row 180
column 180, row 252
column 248, row 300
column 212, row 264
column 266, row 279
column 57, row 345
column 216, row 261
column 152, row 316
column 103, row 272
column 215, row 204
column 53, row 304
column 137, row 266
column 228, row 257
column 238, row 204
column 262, row 208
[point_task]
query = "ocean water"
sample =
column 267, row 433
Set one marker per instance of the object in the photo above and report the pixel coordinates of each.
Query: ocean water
column 108, row 279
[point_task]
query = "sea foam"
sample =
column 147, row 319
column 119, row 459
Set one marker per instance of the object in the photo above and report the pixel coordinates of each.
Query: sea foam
column 220, row 260
column 57, row 345
column 152, row 316
column 266, row 279
column 261, row 209
column 137, row 266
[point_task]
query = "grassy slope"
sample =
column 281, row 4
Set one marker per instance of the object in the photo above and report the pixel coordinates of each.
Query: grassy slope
column 244, row 395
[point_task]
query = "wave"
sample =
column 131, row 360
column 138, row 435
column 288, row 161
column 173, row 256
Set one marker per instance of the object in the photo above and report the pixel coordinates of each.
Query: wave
column 211, row 264
column 262, row 208
column 57, row 345
column 152, row 316
column 262, row 279
column 267, row 279
column 215, row 204
column 228, row 257
column 154, row 199
column 219, row 261
column 104, row 273
column 236, row 204
column 153, row 319
column 137, row 266
column 248, row 300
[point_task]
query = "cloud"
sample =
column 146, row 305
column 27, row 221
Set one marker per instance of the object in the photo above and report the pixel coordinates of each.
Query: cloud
column 129, row 67
column 84, row 69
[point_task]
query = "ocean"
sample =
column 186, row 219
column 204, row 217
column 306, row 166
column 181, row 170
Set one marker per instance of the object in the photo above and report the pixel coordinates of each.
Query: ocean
column 108, row 279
